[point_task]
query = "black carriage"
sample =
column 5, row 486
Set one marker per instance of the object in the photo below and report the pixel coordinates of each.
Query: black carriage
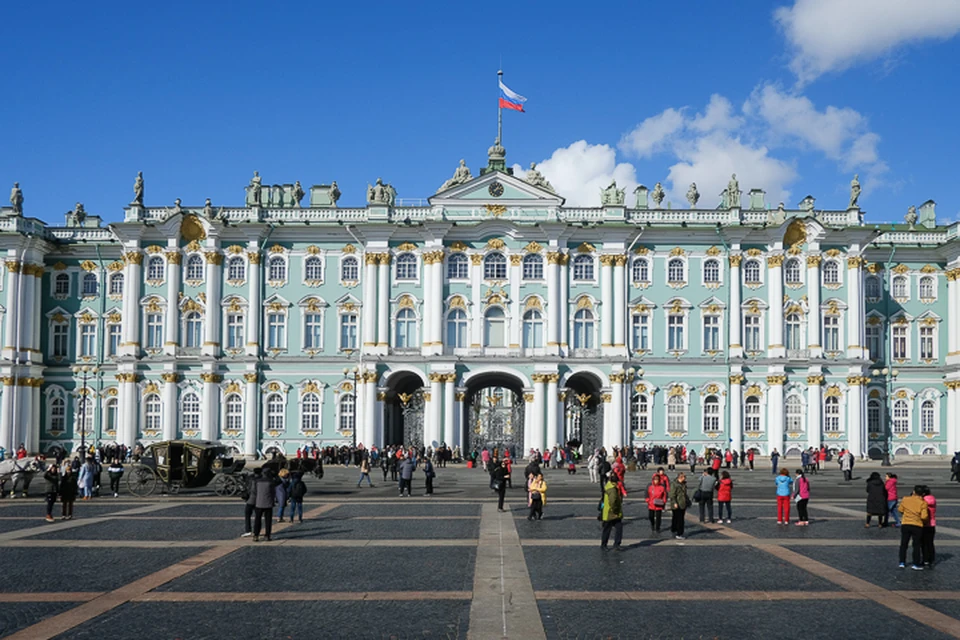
column 175, row 465
column 233, row 474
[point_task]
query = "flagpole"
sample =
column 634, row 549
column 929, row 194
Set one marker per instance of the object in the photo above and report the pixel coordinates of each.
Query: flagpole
column 499, row 109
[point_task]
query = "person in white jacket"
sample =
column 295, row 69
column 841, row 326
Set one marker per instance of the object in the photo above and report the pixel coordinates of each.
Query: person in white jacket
column 592, row 467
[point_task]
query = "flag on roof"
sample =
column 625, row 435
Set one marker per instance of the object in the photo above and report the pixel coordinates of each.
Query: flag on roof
column 510, row 99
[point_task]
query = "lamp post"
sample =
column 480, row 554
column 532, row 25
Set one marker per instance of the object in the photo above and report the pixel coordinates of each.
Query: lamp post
column 347, row 373
column 888, row 375
column 630, row 374
column 84, row 371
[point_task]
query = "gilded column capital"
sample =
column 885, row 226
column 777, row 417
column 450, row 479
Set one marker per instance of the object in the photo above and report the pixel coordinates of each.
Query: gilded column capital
column 606, row 260
column 211, row 378
column 620, row 261
column 384, row 258
column 737, row 378
column 606, row 397
column 476, row 258
column 528, row 397
column 171, row 378
column 127, row 378
column 371, row 258
column 516, row 260
column 459, row 396
column 617, row 378
column 253, row 257
column 776, row 380
column 775, row 260
column 551, row 377
column 251, row 378
column 735, row 260
column 213, row 257
column 435, row 377
column 814, row 260
column 856, row 381
column 13, row 265
column 855, row 262
column 815, row 381
column 953, row 274
column 133, row 257
column 370, row 377
column 451, row 378
column 174, row 257
column 952, row 384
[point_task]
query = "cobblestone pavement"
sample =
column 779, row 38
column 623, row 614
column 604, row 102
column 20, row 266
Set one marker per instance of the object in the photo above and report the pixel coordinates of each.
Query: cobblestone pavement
column 366, row 563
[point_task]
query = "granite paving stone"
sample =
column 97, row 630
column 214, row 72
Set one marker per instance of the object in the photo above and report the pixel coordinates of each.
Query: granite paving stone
column 948, row 607
column 21, row 523
column 333, row 528
column 17, row 615
column 878, row 565
column 819, row 528
column 556, row 526
column 123, row 529
column 38, row 508
column 404, row 508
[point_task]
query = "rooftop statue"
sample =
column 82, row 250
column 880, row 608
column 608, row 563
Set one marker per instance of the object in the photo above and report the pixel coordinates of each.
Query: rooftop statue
column 460, row 175
column 381, row 193
column 911, row 216
column 658, row 194
column 612, row 196
column 536, row 178
column 176, row 208
column 253, row 190
column 298, row 193
column 854, row 191
column 208, row 209
column 693, row 196
column 138, row 189
column 733, row 192
column 79, row 213
column 334, row 192
column 16, row 199
column 777, row 216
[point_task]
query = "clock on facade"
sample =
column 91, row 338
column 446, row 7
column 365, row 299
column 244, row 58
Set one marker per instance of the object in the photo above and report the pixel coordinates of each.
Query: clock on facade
column 495, row 189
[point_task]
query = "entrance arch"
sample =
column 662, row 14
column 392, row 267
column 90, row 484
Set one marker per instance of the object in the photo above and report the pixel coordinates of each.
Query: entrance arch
column 583, row 412
column 493, row 412
column 403, row 409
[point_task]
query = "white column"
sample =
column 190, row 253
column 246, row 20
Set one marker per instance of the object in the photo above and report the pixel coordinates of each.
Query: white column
column 211, row 326
column 251, row 432
column 210, row 417
column 516, row 310
column 370, row 409
column 27, row 297
column 370, row 303
column 437, row 267
column 458, row 398
column 553, row 303
column 448, row 409
column 952, row 425
column 170, row 407
column 775, row 411
column 13, row 314
column 429, row 306
column 172, row 316
column 953, row 318
column 130, row 345
column 736, row 314
column 38, row 323
column 528, row 434
column 775, row 287
column 614, row 426
column 129, row 409
column 25, row 416
column 736, row 411
column 255, row 310
column 563, row 284
column 33, row 429
column 6, row 415
column 383, row 304
column 813, row 303
column 606, row 304
column 378, row 437
column 431, row 431
column 554, row 428
column 619, row 305
column 814, row 406
column 538, row 437
column 855, row 425
column 855, row 308
column 476, row 278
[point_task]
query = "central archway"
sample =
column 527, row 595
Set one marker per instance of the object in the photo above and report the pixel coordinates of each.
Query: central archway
column 583, row 412
column 403, row 410
column 493, row 413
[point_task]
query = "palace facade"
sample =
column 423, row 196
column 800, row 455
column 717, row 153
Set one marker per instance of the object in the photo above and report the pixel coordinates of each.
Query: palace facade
column 489, row 314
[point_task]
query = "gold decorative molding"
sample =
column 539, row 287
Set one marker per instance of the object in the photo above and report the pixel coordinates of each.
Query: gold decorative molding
column 735, row 260
column 495, row 210
column 617, row 378
column 714, row 251
column 457, row 245
column 584, row 303
column 405, row 302
column 516, row 260
column 676, row 390
column 586, row 247
column 815, row 380
column 251, row 378
column 90, row 265
column 347, row 248
column 213, row 378
column 753, row 390
column 533, row 247
column 778, row 381
column 533, row 303
column 496, row 244
column 213, row 257
column 737, row 378
column 406, row 246
column 277, row 249
column 901, row 269
column 171, row 378
column 775, row 260
column 126, row 377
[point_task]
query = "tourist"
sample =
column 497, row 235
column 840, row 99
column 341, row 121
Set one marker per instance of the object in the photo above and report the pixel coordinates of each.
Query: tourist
column 429, row 474
column 929, row 529
column 385, row 464
column 592, row 467
column 775, row 461
column 536, row 496
column 704, row 494
column 802, row 497
column 954, row 467
column 51, row 486
column 784, row 490
column 891, row 485
column 407, row 467
column 679, row 501
column 68, row 493
column 282, row 489
column 916, row 514
column 656, row 500
column 672, row 459
column 612, row 515
column 509, row 463
column 664, row 480
column 364, row 473
column 750, row 456
column 298, row 489
column 85, row 479
column 715, row 464
column 725, row 495
column 265, row 497
column 876, row 500
column 499, row 476
column 728, row 458
column 115, row 472
column 250, row 504
column 846, row 465
column 692, row 460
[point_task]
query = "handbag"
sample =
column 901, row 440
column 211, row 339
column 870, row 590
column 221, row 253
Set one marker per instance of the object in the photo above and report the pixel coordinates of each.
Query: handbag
column 797, row 498
column 698, row 496
column 658, row 502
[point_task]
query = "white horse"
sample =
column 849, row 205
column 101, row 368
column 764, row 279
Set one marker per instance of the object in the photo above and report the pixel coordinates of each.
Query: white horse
column 21, row 471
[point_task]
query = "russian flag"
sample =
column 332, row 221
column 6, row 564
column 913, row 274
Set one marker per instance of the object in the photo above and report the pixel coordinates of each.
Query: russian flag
column 510, row 99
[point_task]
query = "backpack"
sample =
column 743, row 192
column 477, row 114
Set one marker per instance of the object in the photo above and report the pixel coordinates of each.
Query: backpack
column 298, row 490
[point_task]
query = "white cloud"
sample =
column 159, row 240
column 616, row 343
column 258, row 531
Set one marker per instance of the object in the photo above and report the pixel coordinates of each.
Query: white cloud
column 832, row 35
column 653, row 134
column 719, row 116
column 578, row 172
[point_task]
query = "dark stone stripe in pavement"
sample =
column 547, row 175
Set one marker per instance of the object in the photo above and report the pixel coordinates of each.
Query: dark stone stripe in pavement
column 694, row 596
column 53, row 596
column 297, row 596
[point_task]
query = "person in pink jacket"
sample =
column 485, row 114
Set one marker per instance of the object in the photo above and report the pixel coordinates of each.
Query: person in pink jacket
column 801, row 487
column 890, row 483
column 929, row 529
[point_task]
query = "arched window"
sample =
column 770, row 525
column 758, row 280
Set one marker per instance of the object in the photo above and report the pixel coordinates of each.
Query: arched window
column 234, row 412
column 406, row 266
column 927, row 290
column 457, row 329
column 675, row 271
column 927, row 417
column 494, row 329
column 406, row 337
column 676, row 414
column 533, row 266
column 194, row 268
column 792, row 334
column 583, row 324
column 110, row 415
column 155, row 269
column 791, row 271
column 794, row 414
column 532, row 329
column 900, row 287
column 832, row 414
column 751, row 272
column 874, row 416
column 277, row 269
column 236, row 269
column 152, row 413
column 873, row 287
column 711, row 415
column 116, row 284
column 313, row 269
column 89, row 284
column 349, row 270
column 583, row 267
column 275, row 412
column 193, row 330
column 640, row 413
column 346, row 412
column 458, row 267
column 901, row 416
column 711, row 271
column 751, row 414
column 831, row 272
column 190, row 412
column 61, row 285
column 495, row 266
column 640, row 271
column 58, row 415
column 310, row 412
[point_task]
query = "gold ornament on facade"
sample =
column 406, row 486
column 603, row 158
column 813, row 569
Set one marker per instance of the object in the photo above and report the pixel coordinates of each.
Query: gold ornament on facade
column 126, row 377
column 737, row 378
column 677, row 308
column 641, row 250
column 617, row 378
column 855, row 262
column 191, row 229
column 714, row 251
column 833, row 391
column 776, row 380
column 735, row 260
column 713, row 309
column 350, row 306
column 213, row 257
column 832, row 253
column 753, row 390
column 832, row 309
column 775, row 260
column 232, row 387
column 713, row 389
column 533, row 302
column 277, row 249
column 251, row 378
column 533, row 247
column 234, row 249
column 211, row 378
column 253, row 257
column 516, row 260
column 191, row 305
column 406, row 246
column 586, row 247
column 796, row 234
column 457, row 302
column 754, row 252
column 59, row 266
column 794, row 251
column 929, row 268
column 86, row 317
column 814, row 261
column 496, row 243
column 193, row 247
column 494, row 298
column 150, row 388
column 154, row 249
column 476, row 259
column 115, row 266
column 458, row 246
column 901, row 269
column 794, row 308
column 174, row 257
column 495, row 210
column 171, row 378
column 13, row 266
column 584, row 303
column 59, row 318
column 676, row 390
column 405, row 302
column 640, row 388
column 606, row 397
column 528, row 397
column 347, row 248
column 677, row 251
column 88, row 265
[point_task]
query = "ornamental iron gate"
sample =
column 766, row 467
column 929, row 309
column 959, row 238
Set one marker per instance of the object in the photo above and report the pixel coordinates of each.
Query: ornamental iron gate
column 583, row 420
column 496, row 420
column 411, row 410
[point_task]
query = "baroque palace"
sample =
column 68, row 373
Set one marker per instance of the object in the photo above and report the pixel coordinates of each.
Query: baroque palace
column 490, row 314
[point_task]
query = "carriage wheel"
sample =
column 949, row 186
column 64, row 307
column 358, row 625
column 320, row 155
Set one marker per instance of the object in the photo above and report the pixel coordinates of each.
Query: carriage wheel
column 142, row 481
column 223, row 485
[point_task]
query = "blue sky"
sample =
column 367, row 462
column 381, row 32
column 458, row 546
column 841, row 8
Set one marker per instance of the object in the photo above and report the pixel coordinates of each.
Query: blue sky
column 794, row 96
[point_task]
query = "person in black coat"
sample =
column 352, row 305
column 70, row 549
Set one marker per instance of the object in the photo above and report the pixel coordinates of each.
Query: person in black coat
column 68, row 492
column 876, row 499
column 500, row 476
column 51, row 486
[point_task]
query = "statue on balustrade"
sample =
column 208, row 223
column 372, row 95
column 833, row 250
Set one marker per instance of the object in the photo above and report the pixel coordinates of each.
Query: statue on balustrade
column 911, row 216
column 334, row 192
column 461, row 175
column 693, row 196
column 658, row 195
column 612, row 196
column 254, row 190
column 854, row 191
column 381, row 193
column 733, row 192
column 536, row 178
column 298, row 193
column 16, row 199
column 138, row 189
column 79, row 214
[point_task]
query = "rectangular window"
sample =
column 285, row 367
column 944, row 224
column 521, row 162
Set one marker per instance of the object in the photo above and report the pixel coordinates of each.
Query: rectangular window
column 675, row 333
column 751, row 333
column 926, row 343
column 276, row 331
column 752, row 415
column 641, row 332
column 154, row 331
column 348, row 331
column 873, row 342
column 113, row 339
column 88, row 340
column 831, row 334
column 235, row 326
column 873, row 416
column 900, row 342
column 312, row 331
column 711, row 333
column 60, row 333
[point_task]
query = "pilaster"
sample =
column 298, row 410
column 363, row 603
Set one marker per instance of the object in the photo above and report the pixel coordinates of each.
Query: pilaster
column 554, row 428
column 255, row 295
column 953, row 406
column 369, row 425
column 953, row 319
column 214, row 278
column 429, row 306
column 736, row 314
column 564, row 286
column 172, row 316
column 537, row 433
column 553, row 303
column 251, row 431
column 431, row 431
column 170, row 408
column 606, row 304
column 775, row 411
column 476, row 322
column 516, row 311
column 855, row 308
column 130, row 345
column 619, row 305
column 383, row 304
column 855, row 423
column 6, row 414
column 210, row 416
column 813, row 302
column 775, row 347
column 370, row 303
column 128, row 408
column 449, row 422
column 814, row 426
column 11, row 318
column 736, row 411
column 613, row 427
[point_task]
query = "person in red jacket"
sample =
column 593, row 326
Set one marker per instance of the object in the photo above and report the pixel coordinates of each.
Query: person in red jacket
column 715, row 465
column 728, row 458
column 750, row 458
column 725, row 495
column 664, row 480
column 656, row 501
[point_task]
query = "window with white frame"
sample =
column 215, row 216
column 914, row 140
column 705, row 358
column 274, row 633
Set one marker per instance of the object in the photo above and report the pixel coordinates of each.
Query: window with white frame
column 233, row 413
column 793, row 412
column 640, row 271
column 495, row 266
column 901, row 416
column 675, row 331
column 110, row 415
column 831, row 272
column 276, row 408
column 751, row 272
column 900, row 342
column 114, row 332
column 583, row 268
column 640, row 331
column 831, row 415
column 874, row 416
column 751, row 415
column 793, row 328
column 583, row 326
column 58, row 415
column 349, row 270
column 751, row 333
column 277, row 269
column 640, row 413
column 711, row 415
column 676, row 414
column 88, row 340
column 152, row 413
column 156, row 269
column 236, row 269
column 116, row 284
column 312, row 331
column 310, row 412
column 928, row 342
column 313, row 269
column 235, row 330
column 61, row 285
column 89, row 287
column 348, row 331
column 193, row 330
column 711, row 333
column 928, row 289
column 533, row 266
column 405, row 336
column 831, row 333
column 190, row 412
column 60, row 340
column 494, row 327
column 928, row 422
column 532, row 329
column 676, row 271
column 792, row 273
column 711, row 271
column 347, row 419
column 457, row 329
column 873, row 288
column 874, row 343
column 406, row 266
column 154, row 330
column 901, row 288
column 84, row 416
column 276, row 330
column 458, row 267
column 194, row 268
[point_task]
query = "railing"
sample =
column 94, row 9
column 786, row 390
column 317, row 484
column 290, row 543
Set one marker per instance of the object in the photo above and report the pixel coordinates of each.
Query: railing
column 577, row 215
column 798, row 354
column 77, row 234
column 913, row 237
column 703, row 216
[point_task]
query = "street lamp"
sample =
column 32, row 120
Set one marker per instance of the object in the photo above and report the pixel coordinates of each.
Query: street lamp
column 84, row 371
column 630, row 375
column 889, row 376
column 347, row 373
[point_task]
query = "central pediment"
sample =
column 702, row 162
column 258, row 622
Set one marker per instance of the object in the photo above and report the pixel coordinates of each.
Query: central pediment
column 496, row 187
